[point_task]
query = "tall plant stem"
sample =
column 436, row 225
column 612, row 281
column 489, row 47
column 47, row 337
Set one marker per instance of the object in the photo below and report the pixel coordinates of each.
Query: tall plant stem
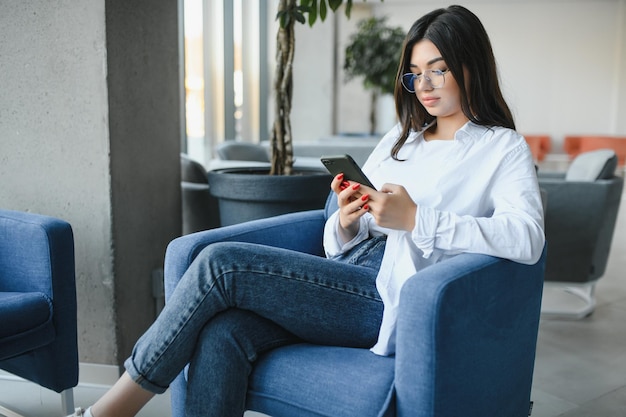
column 281, row 141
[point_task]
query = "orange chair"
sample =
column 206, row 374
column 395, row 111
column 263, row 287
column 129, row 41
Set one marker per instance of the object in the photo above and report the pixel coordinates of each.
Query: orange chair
column 575, row 145
column 571, row 145
column 539, row 146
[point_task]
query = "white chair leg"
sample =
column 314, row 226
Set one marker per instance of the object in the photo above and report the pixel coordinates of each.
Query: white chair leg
column 584, row 292
column 67, row 405
column 8, row 413
column 67, row 401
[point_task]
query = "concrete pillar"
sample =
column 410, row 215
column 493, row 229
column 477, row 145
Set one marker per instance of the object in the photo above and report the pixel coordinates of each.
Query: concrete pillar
column 90, row 132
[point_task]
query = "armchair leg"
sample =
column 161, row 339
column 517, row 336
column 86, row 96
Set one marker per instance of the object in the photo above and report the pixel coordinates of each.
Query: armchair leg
column 8, row 413
column 581, row 292
column 67, row 404
column 67, row 401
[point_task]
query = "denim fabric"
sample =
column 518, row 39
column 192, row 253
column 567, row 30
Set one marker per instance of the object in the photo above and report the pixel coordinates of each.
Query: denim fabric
column 312, row 298
column 228, row 346
column 368, row 253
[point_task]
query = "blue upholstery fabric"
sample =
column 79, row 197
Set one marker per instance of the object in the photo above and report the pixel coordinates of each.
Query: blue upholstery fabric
column 38, row 300
column 466, row 339
column 35, row 311
column 292, row 380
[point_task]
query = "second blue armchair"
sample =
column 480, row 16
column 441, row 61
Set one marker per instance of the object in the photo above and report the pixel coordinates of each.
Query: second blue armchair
column 38, row 302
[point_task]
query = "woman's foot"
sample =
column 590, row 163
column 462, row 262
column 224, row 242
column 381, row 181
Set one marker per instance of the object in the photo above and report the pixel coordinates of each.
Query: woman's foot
column 81, row 412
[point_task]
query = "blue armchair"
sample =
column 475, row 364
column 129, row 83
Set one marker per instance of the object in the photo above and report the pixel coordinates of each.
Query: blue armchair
column 38, row 302
column 466, row 339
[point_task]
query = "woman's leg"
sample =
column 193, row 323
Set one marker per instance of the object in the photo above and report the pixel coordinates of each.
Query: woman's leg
column 228, row 346
column 124, row 399
column 317, row 300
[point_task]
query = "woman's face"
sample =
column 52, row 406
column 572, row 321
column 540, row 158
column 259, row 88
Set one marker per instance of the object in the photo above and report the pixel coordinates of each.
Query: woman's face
column 440, row 101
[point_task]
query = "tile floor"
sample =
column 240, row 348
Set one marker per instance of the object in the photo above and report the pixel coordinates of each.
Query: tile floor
column 580, row 367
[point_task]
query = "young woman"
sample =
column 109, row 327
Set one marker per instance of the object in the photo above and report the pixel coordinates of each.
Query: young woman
column 453, row 176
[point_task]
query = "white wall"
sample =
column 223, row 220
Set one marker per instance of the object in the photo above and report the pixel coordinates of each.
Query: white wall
column 547, row 52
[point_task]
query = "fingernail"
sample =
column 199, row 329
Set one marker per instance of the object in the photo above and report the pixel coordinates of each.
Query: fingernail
column 366, row 207
column 339, row 177
column 365, row 197
column 356, row 186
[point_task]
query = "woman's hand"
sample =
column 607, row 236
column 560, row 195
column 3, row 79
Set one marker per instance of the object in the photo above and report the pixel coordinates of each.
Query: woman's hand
column 392, row 207
column 352, row 199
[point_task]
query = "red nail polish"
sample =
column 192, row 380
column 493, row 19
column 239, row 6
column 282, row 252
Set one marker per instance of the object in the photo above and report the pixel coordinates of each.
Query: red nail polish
column 356, row 186
column 365, row 197
column 339, row 177
column 366, row 207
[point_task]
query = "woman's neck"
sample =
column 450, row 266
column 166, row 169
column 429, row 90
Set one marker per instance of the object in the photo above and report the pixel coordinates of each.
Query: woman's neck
column 444, row 128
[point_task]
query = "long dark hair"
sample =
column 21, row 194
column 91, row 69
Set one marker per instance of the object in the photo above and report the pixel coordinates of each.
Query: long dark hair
column 464, row 44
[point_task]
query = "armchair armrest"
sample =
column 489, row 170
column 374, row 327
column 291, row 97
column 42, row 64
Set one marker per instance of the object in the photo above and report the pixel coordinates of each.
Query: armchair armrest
column 302, row 231
column 549, row 175
column 466, row 338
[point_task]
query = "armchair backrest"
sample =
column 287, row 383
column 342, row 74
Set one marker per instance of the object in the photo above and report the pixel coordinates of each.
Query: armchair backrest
column 231, row 150
column 593, row 165
column 192, row 171
column 580, row 217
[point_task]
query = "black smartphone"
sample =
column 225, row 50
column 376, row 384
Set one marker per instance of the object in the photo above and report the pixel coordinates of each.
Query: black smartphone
column 336, row 164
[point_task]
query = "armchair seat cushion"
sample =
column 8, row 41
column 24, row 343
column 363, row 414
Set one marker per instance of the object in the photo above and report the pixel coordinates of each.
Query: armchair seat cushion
column 28, row 330
column 35, row 311
column 292, row 381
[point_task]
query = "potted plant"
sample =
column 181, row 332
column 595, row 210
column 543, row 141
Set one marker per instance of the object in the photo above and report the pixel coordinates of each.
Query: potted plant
column 372, row 53
column 247, row 194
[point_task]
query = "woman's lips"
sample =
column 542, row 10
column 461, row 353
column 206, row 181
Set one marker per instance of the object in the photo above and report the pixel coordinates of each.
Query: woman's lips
column 429, row 101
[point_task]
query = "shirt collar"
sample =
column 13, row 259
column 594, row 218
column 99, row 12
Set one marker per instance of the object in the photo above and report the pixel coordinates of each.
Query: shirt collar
column 469, row 130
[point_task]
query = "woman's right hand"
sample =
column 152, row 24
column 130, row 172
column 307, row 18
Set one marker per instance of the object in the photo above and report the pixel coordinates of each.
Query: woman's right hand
column 352, row 199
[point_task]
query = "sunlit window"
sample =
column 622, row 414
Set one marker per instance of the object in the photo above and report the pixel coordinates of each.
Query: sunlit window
column 194, row 77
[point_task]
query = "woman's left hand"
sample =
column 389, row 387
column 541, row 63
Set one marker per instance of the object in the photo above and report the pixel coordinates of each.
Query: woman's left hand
column 393, row 208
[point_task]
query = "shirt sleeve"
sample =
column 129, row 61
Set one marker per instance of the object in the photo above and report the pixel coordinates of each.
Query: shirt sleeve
column 333, row 245
column 514, row 229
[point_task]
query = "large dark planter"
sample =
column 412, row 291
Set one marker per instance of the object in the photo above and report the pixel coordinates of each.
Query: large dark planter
column 251, row 193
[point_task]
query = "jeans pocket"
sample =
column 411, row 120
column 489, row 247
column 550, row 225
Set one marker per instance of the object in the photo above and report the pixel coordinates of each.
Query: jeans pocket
column 368, row 253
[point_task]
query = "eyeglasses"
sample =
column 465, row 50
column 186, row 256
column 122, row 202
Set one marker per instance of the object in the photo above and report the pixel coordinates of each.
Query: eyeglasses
column 436, row 78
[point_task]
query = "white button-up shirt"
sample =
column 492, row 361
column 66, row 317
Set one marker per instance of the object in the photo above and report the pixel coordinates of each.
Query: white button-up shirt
column 477, row 193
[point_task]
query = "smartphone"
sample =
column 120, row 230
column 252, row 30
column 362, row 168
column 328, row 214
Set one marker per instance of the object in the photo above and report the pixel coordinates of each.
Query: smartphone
column 336, row 164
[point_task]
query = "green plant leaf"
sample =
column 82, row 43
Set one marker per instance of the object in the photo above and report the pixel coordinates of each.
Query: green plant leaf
column 283, row 18
column 373, row 53
column 298, row 14
column 311, row 9
column 348, row 8
column 334, row 4
column 323, row 10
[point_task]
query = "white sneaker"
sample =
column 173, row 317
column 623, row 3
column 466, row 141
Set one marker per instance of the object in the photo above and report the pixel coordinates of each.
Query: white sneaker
column 81, row 412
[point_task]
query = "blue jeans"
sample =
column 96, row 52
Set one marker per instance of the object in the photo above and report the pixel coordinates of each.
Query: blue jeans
column 254, row 298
